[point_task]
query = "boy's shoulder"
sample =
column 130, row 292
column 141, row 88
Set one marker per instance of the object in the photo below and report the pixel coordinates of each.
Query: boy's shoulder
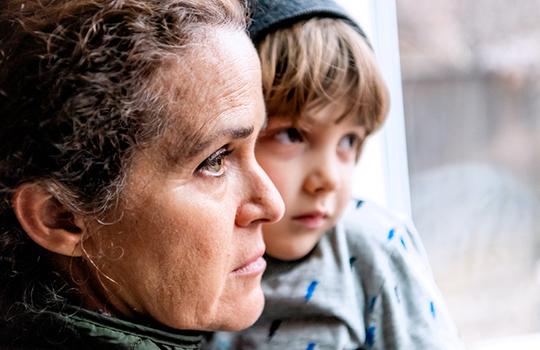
column 368, row 214
column 372, row 229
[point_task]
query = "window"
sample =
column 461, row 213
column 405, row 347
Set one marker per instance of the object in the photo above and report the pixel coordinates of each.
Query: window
column 382, row 173
column 471, row 116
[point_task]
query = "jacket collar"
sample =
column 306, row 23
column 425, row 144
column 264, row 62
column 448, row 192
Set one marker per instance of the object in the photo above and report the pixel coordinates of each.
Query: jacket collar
column 99, row 325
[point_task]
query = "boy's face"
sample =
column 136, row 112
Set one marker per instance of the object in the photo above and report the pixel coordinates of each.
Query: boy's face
column 311, row 166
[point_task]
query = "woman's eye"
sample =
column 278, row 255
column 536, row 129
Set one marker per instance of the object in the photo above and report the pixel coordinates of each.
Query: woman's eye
column 289, row 135
column 215, row 164
column 349, row 142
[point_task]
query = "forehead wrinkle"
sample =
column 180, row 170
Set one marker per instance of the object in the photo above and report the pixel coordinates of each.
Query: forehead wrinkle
column 204, row 136
column 231, row 97
column 202, row 129
column 205, row 96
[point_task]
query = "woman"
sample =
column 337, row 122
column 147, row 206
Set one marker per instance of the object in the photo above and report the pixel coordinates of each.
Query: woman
column 132, row 203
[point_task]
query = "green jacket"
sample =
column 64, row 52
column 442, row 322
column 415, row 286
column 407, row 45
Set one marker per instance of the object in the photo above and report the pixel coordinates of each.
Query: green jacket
column 80, row 329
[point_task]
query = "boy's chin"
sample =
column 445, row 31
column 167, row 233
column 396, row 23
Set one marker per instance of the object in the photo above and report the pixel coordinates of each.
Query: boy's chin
column 286, row 244
column 291, row 252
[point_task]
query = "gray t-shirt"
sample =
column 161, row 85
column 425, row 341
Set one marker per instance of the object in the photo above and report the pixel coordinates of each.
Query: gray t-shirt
column 366, row 285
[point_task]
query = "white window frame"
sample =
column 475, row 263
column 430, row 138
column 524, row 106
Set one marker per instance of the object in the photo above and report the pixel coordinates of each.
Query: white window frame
column 382, row 174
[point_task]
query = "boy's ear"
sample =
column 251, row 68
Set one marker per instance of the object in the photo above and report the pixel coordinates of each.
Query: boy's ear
column 46, row 221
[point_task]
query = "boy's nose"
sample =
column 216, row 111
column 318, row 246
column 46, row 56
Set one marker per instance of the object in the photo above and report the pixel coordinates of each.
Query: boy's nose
column 324, row 176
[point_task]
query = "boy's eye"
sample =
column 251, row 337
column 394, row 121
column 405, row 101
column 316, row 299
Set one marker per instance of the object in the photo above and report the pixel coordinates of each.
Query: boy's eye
column 214, row 165
column 349, row 141
column 289, row 135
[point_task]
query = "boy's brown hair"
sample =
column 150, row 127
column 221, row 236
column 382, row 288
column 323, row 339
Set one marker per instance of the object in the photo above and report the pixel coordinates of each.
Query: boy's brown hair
column 322, row 61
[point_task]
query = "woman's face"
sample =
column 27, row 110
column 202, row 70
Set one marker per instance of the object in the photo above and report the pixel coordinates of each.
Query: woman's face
column 185, row 249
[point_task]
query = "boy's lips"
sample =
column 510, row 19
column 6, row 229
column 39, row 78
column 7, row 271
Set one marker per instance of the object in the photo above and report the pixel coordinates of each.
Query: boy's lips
column 311, row 220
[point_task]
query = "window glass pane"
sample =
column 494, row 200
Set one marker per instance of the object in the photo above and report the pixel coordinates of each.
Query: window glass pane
column 471, row 93
column 382, row 174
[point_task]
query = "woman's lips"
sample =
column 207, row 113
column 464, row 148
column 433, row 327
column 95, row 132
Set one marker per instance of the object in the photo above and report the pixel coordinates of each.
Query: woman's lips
column 311, row 220
column 253, row 267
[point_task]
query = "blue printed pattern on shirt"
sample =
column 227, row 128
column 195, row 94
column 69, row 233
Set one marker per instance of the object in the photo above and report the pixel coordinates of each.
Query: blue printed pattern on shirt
column 396, row 236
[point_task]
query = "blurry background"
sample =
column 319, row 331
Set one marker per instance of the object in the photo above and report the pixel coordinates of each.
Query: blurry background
column 471, row 94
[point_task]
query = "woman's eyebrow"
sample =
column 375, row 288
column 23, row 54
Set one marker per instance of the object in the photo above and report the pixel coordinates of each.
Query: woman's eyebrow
column 176, row 150
column 203, row 143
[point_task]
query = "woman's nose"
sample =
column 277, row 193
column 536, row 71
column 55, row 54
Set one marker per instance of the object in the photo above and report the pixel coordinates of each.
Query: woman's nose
column 264, row 205
column 322, row 175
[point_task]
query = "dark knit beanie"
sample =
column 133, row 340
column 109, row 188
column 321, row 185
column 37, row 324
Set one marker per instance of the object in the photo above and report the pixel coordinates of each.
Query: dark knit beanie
column 270, row 15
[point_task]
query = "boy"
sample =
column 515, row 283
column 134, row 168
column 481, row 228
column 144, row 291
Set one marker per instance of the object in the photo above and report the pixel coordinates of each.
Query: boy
column 362, row 282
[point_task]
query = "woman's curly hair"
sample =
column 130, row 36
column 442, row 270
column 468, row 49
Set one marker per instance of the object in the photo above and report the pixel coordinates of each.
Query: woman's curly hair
column 77, row 97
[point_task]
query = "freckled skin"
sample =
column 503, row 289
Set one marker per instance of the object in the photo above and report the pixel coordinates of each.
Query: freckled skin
column 310, row 174
column 184, row 230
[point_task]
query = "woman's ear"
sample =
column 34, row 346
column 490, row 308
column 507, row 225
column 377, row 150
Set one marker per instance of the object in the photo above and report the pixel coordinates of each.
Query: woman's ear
column 46, row 221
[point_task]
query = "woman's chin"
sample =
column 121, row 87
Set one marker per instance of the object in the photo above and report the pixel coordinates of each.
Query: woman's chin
column 242, row 313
